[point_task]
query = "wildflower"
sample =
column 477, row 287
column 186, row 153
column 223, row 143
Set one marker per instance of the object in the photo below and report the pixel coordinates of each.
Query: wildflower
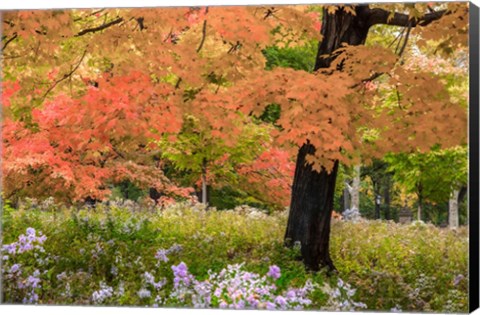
column 101, row 295
column 61, row 276
column 280, row 300
column 10, row 248
column 33, row 281
column 15, row 268
column 144, row 293
column 270, row 306
column 161, row 255
column 274, row 272
column 41, row 239
column 31, row 231
column 291, row 294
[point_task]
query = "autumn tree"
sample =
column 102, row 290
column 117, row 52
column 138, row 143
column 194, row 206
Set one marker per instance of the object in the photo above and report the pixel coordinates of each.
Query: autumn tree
column 328, row 114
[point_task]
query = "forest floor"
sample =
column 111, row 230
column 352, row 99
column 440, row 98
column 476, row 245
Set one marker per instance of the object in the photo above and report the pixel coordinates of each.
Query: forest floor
column 185, row 256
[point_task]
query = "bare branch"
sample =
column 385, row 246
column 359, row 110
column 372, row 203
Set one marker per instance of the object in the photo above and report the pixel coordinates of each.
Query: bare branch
column 9, row 41
column 65, row 76
column 381, row 16
column 99, row 28
column 400, row 52
column 204, row 32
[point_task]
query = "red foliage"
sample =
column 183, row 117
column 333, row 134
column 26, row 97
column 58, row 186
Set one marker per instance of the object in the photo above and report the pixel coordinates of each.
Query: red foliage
column 78, row 147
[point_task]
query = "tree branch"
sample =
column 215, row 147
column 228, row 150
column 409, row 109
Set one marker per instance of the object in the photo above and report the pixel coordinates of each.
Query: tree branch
column 99, row 28
column 65, row 76
column 400, row 52
column 204, row 32
column 381, row 16
column 9, row 41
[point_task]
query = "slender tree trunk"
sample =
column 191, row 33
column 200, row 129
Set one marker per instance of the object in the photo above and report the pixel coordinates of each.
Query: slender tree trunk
column 453, row 209
column 204, row 182
column 346, row 197
column 356, row 188
column 420, row 202
column 386, row 199
column 313, row 192
column 376, row 193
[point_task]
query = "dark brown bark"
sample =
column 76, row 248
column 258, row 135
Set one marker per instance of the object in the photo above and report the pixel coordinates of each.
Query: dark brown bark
column 310, row 211
column 339, row 28
column 99, row 28
column 313, row 192
column 381, row 16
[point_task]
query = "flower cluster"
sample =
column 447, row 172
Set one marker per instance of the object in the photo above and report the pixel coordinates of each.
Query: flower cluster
column 22, row 284
column 162, row 254
column 341, row 298
column 236, row 288
column 103, row 294
column 26, row 242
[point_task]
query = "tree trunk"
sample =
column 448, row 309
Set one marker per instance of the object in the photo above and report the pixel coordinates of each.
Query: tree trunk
column 376, row 196
column 420, row 203
column 204, row 182
column 386, row 199
column 312, row 192
column 453, row 209
column 310, row 211
column 346, row 197
column 356, row 188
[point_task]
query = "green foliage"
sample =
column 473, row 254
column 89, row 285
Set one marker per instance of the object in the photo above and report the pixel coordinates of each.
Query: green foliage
column 228, row 197
column 195, row 148
column 127, row 190
column 411, row 266
column 295, row 57
column 433, row 174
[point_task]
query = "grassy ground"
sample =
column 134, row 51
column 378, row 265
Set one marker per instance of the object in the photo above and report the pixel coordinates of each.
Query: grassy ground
column 109, row 255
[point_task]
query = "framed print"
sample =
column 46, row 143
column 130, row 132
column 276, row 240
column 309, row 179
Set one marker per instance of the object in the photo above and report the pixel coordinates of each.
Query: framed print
column 251, row 156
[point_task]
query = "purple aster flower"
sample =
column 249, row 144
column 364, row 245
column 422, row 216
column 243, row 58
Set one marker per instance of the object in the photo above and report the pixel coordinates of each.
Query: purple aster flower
column 33, row 281
column 25, row 247
column 252, row 301
column 270, row 306
column 144, row 293
column 291, row 294
column 15, row 268
column 240, row 305
column 274, row 272
column 161, row 255
column 10, row 248
column 223, row 304
column 280, row 300
column 42, row 239
column 31, row 231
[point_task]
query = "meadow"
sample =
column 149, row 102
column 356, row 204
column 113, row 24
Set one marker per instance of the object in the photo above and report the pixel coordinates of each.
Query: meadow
column 188, row 256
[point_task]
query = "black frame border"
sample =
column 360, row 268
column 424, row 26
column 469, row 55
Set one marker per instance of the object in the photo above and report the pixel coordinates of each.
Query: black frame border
column 473, row 191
